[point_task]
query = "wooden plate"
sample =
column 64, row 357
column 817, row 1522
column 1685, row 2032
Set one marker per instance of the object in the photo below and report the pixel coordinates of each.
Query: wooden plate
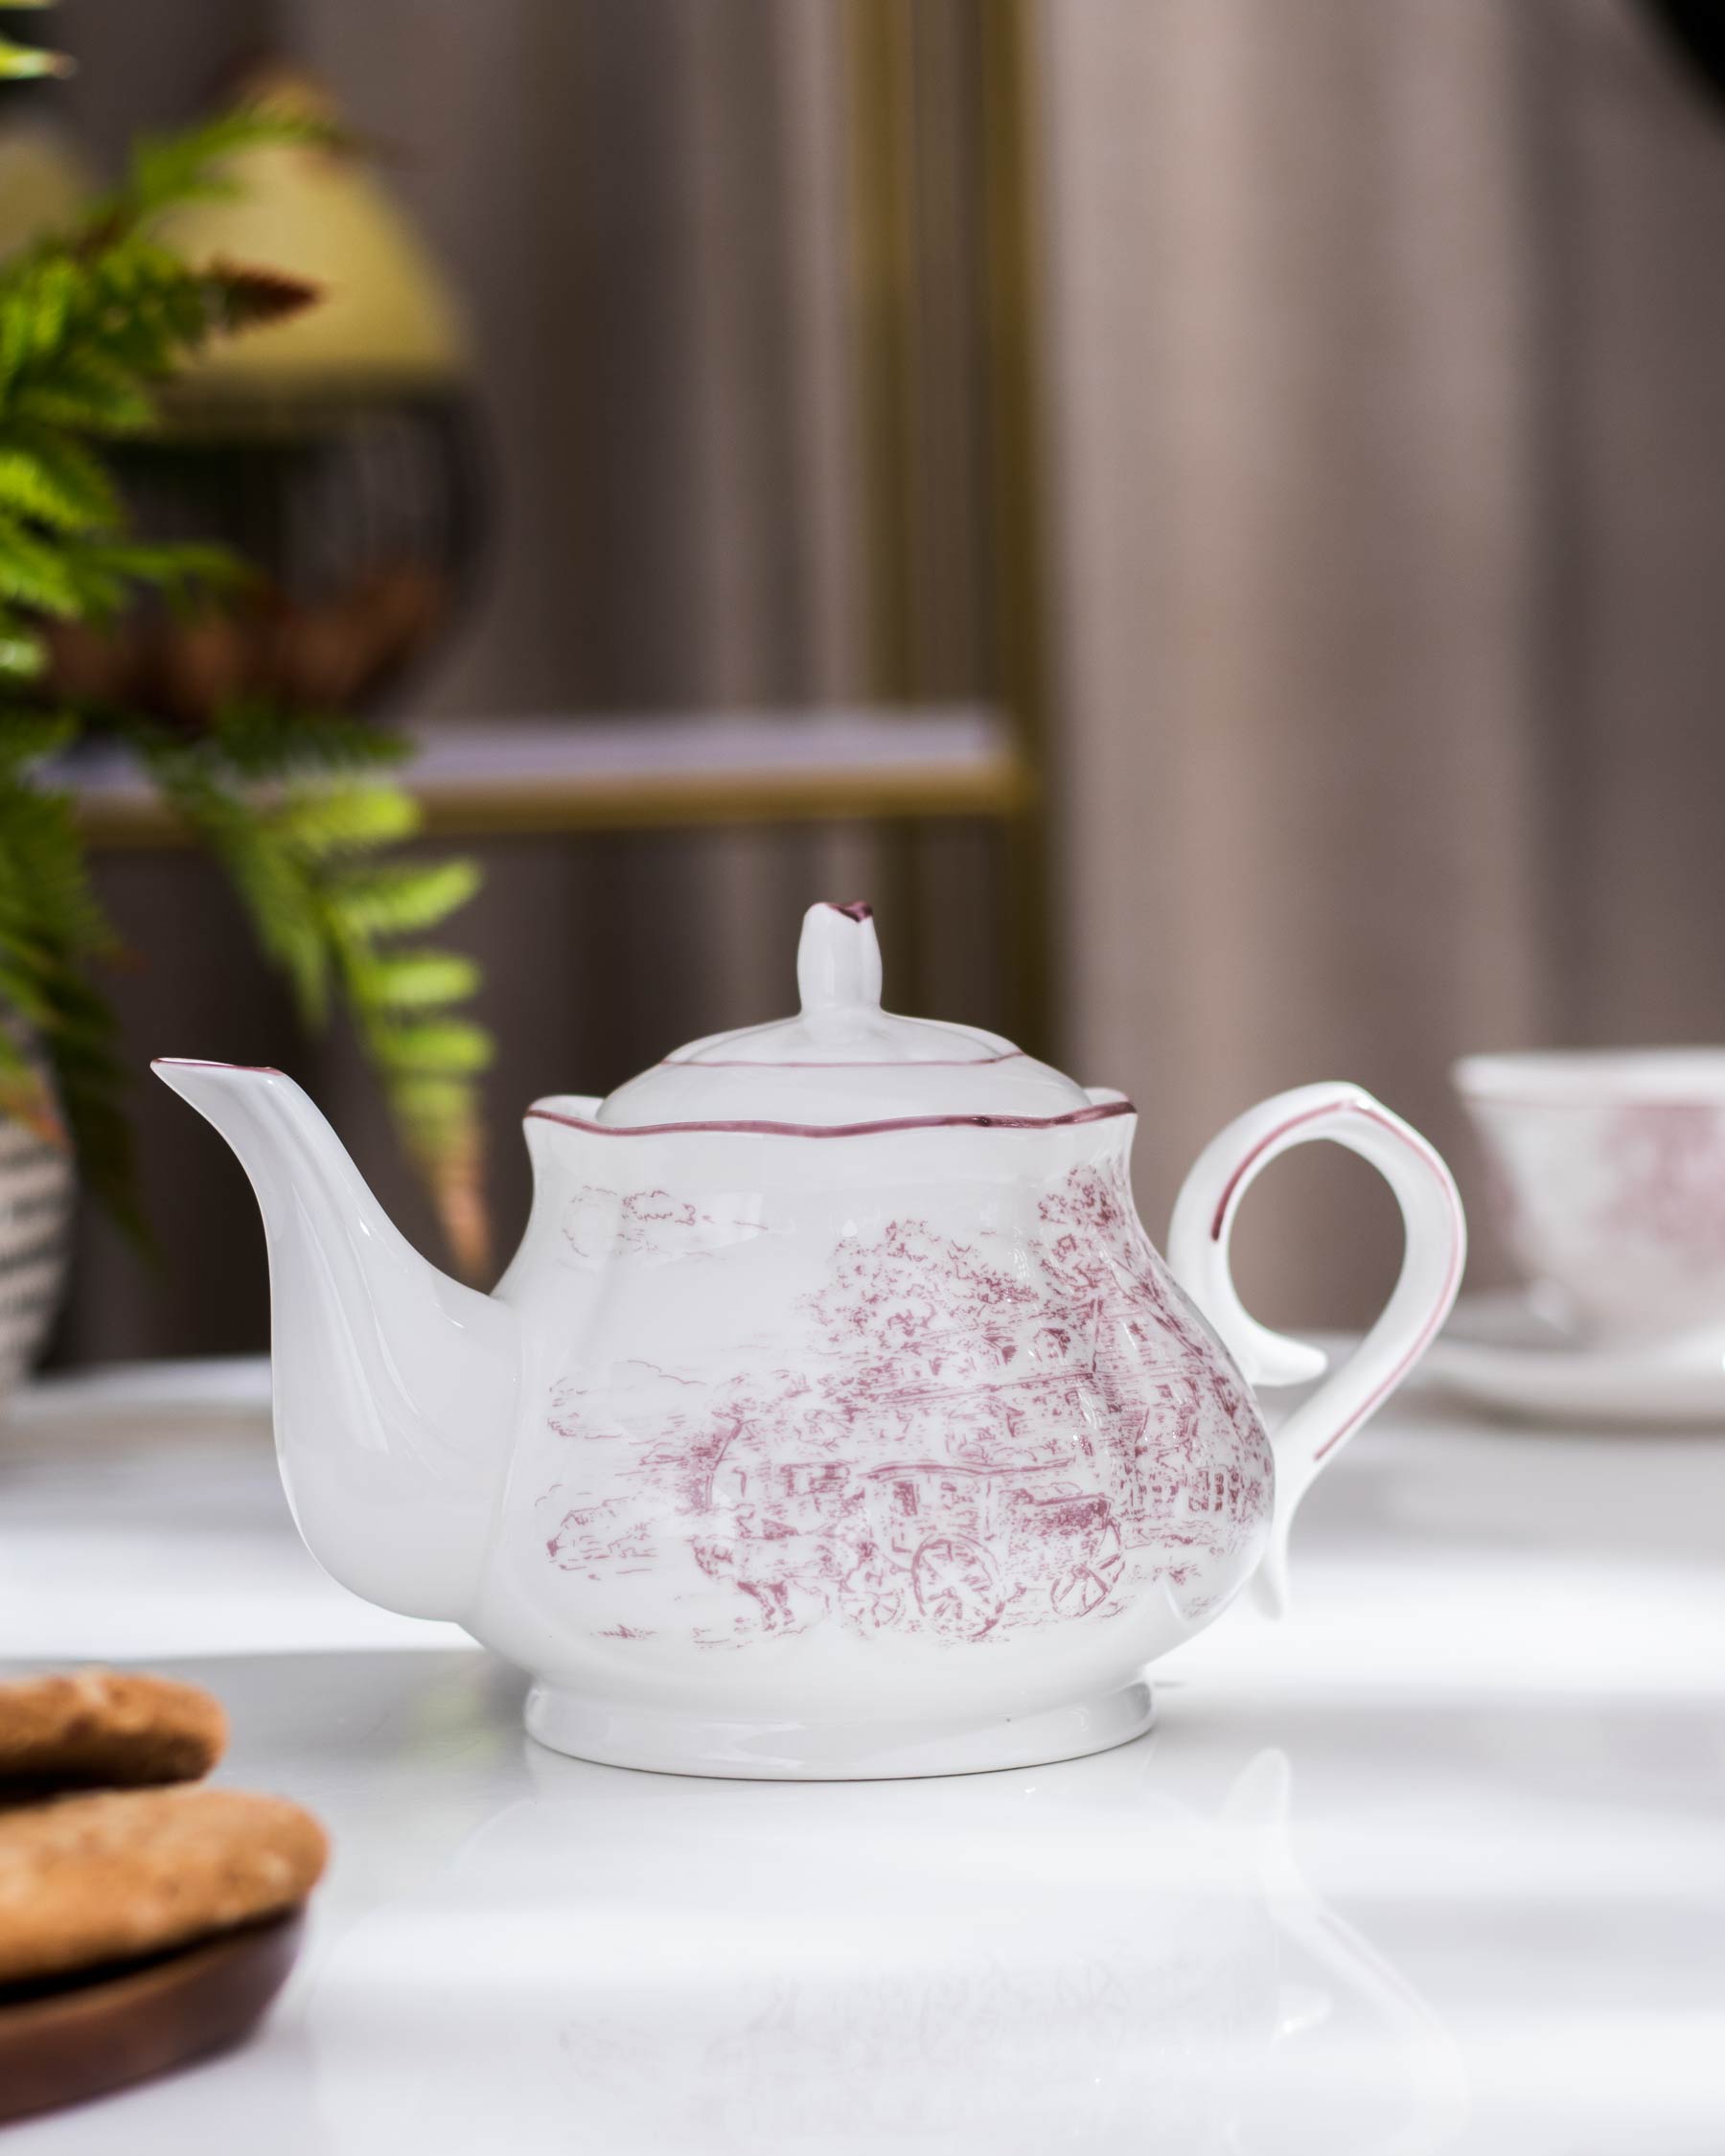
column 83, row 2036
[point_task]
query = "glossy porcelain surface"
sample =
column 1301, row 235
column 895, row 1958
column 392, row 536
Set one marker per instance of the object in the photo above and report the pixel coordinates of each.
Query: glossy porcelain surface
column 843, row 1059
column 1609, row 1175
column 862, row 1435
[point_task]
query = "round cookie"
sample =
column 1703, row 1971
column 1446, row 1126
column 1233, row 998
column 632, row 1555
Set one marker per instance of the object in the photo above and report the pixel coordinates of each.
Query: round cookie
column 89, row 1879
column 105, row 1728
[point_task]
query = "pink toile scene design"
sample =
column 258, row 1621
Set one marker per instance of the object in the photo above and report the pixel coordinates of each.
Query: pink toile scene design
column 960, row 1439
column 1668, row 1162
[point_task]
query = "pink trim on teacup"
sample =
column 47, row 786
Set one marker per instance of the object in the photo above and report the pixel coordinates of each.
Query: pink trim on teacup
column 1428, row 1332
column 859, row 909
column 1096, row 1114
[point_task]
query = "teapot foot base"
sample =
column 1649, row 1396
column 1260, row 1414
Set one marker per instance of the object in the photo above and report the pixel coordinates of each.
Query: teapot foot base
column 668, row 1743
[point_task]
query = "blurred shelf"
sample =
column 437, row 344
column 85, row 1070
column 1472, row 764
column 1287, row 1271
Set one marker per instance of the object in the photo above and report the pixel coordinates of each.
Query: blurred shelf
column 658, row 772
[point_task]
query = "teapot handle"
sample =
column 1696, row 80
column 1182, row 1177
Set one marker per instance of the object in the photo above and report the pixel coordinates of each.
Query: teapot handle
column 1431, row 1273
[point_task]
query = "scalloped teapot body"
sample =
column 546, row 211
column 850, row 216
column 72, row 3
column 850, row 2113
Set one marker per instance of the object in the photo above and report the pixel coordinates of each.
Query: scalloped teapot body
column 840, row 1430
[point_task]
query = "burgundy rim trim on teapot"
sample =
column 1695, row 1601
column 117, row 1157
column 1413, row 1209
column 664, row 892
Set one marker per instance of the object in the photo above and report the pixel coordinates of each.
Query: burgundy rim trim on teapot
column 1097, row 1113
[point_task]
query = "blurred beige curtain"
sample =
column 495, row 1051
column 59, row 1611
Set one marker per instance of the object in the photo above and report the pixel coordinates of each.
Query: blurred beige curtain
column 1388, row 435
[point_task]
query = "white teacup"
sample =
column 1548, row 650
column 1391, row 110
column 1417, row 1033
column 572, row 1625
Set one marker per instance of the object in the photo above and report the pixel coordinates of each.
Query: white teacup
column 1610, row 1167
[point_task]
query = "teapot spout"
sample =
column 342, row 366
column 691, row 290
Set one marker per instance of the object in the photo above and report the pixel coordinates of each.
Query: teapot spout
column 395, row 1386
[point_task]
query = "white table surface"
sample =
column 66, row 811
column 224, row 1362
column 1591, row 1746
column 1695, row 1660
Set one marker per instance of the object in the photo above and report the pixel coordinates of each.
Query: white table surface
column 1437, row 1864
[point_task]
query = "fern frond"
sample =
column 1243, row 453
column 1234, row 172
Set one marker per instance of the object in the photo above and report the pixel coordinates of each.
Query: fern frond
column 52, row 931
column 86, row 392
column 22, row 62
column 405, row 898
column 53, row 478
column 23, row 654
column 418, row 980
column 194, row 164
column 346, row 816
column 34, row 572
column 448, row 1048
column 258, row 741
column 293, row 806
column 307, row 850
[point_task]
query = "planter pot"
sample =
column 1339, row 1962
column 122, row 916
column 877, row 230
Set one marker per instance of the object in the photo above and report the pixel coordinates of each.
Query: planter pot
column 37, row 1189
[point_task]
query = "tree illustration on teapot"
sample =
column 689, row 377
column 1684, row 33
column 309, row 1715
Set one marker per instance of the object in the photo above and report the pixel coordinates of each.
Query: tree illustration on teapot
column 961, row 1438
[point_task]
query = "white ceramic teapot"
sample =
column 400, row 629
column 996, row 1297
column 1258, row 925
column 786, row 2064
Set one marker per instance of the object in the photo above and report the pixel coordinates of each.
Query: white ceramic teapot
column 836, row 1416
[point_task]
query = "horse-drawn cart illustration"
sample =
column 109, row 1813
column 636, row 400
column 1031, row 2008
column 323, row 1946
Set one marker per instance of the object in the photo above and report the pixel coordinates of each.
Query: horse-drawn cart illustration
column 920, row 1543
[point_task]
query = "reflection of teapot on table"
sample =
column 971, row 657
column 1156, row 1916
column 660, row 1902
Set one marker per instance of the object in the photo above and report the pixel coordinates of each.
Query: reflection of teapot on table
column 1097, row 1956
column 836, row 1416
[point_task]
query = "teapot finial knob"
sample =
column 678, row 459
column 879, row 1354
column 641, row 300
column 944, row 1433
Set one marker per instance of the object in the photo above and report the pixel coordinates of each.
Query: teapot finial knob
column 839, row 959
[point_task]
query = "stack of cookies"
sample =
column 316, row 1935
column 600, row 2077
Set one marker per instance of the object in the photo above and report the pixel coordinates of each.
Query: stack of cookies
column 112, row 1848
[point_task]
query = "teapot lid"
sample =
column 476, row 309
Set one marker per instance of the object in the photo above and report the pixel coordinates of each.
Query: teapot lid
column 843, row 1060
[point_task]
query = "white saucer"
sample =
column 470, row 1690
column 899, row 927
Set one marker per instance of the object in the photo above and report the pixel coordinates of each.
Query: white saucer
column 1499, row 1352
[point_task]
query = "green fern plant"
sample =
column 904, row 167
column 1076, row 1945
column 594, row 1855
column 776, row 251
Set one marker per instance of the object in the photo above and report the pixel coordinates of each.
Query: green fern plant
column 20, row 63
column 300, row 810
